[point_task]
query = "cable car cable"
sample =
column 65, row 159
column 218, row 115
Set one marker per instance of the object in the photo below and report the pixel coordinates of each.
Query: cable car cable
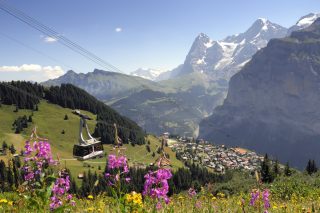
column 35, row 50
column 48, row 31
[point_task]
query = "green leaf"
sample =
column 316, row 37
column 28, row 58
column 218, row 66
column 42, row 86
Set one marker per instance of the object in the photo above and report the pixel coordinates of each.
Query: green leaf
column 49, row 190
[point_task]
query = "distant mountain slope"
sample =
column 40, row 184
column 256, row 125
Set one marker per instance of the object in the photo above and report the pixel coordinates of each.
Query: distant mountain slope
column 178, row 112
column 273, row 102
column 149, row 74
column 105, row 85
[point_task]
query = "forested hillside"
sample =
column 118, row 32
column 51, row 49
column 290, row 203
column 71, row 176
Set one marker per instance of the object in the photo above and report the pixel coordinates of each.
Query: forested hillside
column 26, row 95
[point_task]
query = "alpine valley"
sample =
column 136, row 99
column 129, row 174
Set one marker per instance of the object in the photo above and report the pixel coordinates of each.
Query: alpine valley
column 177, row 100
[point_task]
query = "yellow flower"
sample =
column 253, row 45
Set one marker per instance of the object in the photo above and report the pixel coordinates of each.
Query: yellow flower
column 10, row 203
column 90, row 209
column 134, row 198
column 90, row 197
column 239, row 203
column 3, row 201
column 213, row 198
column 221, row 195
column 180, row 197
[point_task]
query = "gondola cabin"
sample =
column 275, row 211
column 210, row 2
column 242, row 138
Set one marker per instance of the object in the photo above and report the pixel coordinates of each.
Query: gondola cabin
column 86, row 149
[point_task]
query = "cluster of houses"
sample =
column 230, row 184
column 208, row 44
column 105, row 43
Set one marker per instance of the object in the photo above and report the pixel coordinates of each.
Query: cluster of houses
column 216, row 157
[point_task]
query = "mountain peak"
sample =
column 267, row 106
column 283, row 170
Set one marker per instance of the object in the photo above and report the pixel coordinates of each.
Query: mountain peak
column 304, row 22
column 202, row 35
column 307, row 19
column 261, row 24
column 70, row 72
column 264, row 29
column 263, row 20
column 98, row 71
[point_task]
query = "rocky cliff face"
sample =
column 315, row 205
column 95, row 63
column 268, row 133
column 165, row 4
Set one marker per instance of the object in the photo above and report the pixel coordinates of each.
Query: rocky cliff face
column 273, row 102
column 222, row 59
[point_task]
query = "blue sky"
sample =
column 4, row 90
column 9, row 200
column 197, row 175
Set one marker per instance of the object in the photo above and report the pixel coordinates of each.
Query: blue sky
column 151, row 33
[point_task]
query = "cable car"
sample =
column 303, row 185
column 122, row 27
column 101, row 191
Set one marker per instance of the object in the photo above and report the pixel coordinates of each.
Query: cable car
column 86, row 149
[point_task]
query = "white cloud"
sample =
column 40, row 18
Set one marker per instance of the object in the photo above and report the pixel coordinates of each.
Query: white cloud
column 118, row 29
column 30, row 72
column 49, row 39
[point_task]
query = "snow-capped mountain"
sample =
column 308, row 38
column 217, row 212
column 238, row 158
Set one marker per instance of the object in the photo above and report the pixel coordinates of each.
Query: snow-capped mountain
column 150, row 74
column 304, row 22
column 222, row 59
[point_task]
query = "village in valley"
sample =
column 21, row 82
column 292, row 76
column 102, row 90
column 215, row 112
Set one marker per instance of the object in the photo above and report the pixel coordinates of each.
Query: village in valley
column 218, row 158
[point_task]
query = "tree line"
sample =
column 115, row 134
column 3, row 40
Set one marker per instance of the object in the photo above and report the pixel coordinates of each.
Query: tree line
column 27, row 95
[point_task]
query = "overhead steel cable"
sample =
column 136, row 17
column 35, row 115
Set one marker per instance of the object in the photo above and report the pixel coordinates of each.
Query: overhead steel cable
column 63, row 42
column 35, row 50
column 52, row 33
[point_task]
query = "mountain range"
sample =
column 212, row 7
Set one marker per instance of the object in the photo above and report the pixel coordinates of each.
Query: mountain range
column 222, row 59
column 273, row 103
column 149, row 74
column 106, row 86
column 177, row 100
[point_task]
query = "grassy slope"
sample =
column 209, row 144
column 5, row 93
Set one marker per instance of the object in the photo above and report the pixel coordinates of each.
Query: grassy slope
column 50, row 122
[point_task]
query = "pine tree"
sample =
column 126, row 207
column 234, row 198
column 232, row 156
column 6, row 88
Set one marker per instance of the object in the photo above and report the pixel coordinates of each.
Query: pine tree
column 266, row 176
column 148, row 148
column 30, row 119
column 4, row 145
column 66, row 117
column 287, row 170
column 12, row 149
column 16, row 109
column 276, row 169
column 311, row 167
column 314, row 167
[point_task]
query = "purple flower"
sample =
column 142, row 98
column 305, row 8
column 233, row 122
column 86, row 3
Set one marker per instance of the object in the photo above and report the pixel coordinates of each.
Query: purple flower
column 156, row 184
column 265, row 197
column 254, row 197
column 28, row 148
column 159, row 206
column 115, row 162
column 59, row 192
column 37, row 155
column 117, row 169
column 192, row 192
column 29, row 176
column 69, row 197
column 198, row 204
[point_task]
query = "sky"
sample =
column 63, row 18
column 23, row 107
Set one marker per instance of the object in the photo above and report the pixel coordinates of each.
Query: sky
column 129, row 34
